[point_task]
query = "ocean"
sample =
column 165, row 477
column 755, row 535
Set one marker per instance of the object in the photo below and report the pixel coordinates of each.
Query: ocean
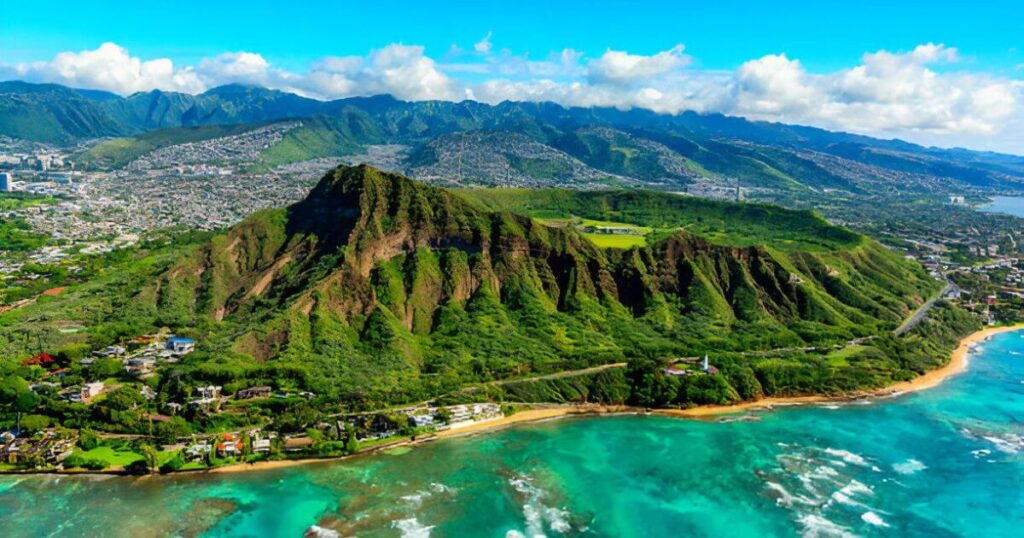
column 1011, row 205
column 941, row 462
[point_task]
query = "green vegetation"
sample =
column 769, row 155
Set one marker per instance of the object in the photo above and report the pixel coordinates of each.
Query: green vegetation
column 377, row 291
column 322, row 137
column 719, row 222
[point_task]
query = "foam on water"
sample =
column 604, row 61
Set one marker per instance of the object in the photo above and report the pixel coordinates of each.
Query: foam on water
column 412, row 528
column 873, row 519
column 847, row 456
column 909, row 466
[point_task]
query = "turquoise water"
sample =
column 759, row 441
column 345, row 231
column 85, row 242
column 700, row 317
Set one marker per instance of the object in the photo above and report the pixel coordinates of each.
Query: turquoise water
column 1011, row 205
column 943, row 462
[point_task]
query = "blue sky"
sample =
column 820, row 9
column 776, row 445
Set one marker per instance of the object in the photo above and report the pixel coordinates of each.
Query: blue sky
column 721, row 34
column 799, row 62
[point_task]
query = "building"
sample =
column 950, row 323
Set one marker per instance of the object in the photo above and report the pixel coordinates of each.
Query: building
column 180, row 344
column 253, row 392
column 91, row 390
column 261, row 446
column 6, row 181
column 228, row 446
column 211, row 391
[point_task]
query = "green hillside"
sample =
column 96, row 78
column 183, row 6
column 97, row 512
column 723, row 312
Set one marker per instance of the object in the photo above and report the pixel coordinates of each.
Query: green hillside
column 717, row 221
column 376, row 289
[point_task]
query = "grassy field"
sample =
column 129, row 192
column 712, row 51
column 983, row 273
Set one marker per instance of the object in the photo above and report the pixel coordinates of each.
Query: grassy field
column 616, row 241
column 636, row 239
column 110, row 456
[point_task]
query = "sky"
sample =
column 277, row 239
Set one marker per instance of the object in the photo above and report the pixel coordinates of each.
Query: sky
column 939, row 73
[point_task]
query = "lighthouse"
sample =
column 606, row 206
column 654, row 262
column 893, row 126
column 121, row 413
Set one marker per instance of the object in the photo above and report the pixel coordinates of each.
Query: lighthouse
column 704, row 365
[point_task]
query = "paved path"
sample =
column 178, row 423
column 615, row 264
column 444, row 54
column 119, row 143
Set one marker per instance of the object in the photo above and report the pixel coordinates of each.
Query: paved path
column 559, row 375
column 923, row 311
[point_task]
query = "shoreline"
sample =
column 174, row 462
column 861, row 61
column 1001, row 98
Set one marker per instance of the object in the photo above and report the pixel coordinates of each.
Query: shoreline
column 958, row 363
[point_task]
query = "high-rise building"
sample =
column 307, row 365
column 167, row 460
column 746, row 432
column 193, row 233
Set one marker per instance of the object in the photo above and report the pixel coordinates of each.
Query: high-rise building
column 5, row 182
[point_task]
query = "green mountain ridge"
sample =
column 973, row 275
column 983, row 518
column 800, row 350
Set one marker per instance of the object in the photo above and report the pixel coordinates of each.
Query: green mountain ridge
column 387, row 289
column 655, row 149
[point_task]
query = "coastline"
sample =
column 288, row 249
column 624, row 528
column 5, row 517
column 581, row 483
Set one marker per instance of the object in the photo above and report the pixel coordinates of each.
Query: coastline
column 957, row 364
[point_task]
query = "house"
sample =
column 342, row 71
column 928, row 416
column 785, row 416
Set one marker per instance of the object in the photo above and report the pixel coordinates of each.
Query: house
column 180, row 344
column 261, row 446
column 198, row 451
column 253, row 392
column 210, row 391
column 228, row 447
column 140, row 366
column 293, row 444
column 91, row 390
column 12, row 453
column 112, row 351
column 421, row 421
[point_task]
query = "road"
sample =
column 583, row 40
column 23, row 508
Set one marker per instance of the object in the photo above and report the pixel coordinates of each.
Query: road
column 559, row 375
column 920, row 314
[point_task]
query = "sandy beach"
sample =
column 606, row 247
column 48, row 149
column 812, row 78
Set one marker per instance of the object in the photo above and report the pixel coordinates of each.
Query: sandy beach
column 958, row 363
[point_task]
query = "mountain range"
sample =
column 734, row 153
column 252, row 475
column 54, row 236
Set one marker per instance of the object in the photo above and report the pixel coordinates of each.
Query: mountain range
column 511, row 143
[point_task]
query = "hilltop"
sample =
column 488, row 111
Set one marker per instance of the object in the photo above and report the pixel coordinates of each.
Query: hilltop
column 378, row 288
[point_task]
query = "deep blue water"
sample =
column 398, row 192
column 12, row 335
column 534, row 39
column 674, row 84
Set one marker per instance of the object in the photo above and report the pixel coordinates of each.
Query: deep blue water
column 1012, row 205
column 942, row 462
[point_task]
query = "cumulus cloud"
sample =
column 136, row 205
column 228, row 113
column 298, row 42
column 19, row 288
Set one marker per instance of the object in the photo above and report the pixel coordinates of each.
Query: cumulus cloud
column 108, row 67
column 618, row 67
column 917, row 93
column 887, row 92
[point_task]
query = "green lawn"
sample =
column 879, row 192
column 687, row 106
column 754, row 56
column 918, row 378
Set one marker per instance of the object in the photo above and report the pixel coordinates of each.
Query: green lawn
column 623, row 241
column 113, row 458
column 616, row 241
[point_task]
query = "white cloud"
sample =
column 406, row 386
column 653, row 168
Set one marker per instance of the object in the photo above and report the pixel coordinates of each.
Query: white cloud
column 619, row 67
column 108, row 67
column 484, row 45
column 918, row 94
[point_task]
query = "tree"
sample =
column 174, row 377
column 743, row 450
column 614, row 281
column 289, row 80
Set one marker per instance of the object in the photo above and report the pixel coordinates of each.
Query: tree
column 124, row 398
column 351, row 444
column 88, row 439
column 34, row 423
column 104, row 368
column 172, row 429
column 150, row 457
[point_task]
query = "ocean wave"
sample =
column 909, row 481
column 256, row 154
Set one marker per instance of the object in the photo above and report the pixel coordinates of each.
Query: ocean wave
column 416, row 499
column 320, row 532
column 536, row 513
column 847, row 456
column 909, row 466
column 1010, row 443
column 412, row 528
column 818, row 526
column 873, row 519
column 787, row 499
column 981, row 453
column 440, row 488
